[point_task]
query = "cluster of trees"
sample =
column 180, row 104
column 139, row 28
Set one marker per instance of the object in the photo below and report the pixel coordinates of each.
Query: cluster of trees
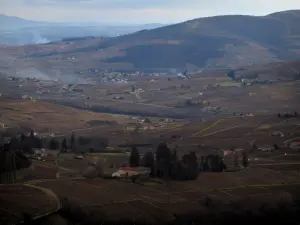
column 168, row 165
column 231, row 74
column 212, row 163
column 75, row 144
column 28, row 142
column 287, row 115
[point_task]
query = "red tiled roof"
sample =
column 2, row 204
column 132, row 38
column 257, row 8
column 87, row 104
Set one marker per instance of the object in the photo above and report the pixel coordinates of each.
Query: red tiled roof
column 128, row 168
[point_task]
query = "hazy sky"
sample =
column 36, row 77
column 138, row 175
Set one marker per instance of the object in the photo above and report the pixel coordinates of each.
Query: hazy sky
column 138, row 11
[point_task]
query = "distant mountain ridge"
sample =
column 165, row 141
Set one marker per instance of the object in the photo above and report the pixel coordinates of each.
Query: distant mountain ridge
column 18, row 31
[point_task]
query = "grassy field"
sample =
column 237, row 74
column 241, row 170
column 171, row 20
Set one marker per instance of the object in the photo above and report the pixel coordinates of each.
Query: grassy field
column 229, row 84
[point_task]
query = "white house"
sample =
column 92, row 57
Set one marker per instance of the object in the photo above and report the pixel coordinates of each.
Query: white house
column 124, row 172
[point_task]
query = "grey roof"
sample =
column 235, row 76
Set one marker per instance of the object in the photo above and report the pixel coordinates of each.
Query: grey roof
column 6, row 140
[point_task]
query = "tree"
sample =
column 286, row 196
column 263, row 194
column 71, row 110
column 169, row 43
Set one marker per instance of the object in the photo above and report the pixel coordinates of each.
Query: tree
column 83, row 141
column 64, row 145
column 163, row 153
column 163, row 159
column 174, row 155
column 25, row 144
column 148, row 159
column 53, row 145
column 231, row 74
column 72, row 142
column 245, row 159
column 235, row 160
column 134, row 159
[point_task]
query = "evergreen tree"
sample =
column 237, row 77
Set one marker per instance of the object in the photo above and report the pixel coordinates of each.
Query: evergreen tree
column 72, row 142
column 190, row 169
column 163, row 159
column 231, row 74
column 53, row 145
column 174, row 156
column 235, row 160
column 134, row 159
column 64, row 145
column 148, row 160
column 245, row 159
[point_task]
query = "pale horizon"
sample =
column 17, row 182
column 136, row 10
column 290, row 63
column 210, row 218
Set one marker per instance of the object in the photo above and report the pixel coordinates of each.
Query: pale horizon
column 137, row 11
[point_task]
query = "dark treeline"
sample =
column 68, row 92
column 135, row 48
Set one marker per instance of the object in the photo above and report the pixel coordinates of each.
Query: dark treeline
column 103, row 109
column 287, row 115
column 167, row 165
column 28, row 142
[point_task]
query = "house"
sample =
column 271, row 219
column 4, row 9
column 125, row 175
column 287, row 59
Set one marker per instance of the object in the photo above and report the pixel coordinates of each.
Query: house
column 2, row 125
column 39, row 152
column 131, row 126
column 127, row 172
column 148, row 127
column 80, row 157
column 294, row 145
column 141, row 120
column 227, row 152
column 266, row 148
column 277, row 133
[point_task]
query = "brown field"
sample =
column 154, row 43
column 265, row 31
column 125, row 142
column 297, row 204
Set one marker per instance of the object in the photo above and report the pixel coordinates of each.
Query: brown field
column 118, row 199
column 44, row 117
column 38, row 171
column 16, row 199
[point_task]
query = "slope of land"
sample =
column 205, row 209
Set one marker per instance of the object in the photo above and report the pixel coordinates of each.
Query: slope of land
column 51, row 118
column 222, row 41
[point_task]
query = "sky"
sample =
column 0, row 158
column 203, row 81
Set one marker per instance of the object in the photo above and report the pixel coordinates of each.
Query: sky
column 138, row 11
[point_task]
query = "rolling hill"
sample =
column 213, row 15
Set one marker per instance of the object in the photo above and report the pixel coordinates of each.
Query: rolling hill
column 46, row 117
column 213, row 42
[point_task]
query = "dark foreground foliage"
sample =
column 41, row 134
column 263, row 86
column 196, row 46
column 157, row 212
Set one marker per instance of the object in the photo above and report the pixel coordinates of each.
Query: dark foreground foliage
column 280, row 213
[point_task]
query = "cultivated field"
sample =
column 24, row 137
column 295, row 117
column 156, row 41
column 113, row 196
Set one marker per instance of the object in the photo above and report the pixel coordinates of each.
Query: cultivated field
column 270, row 176
column 121, row 199
column 18, row 199
column 49, row 118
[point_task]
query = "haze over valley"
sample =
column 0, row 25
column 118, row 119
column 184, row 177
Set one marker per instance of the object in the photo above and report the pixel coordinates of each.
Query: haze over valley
column 149, row 112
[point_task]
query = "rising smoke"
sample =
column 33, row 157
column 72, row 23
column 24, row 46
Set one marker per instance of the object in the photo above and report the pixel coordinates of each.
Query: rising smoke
column 33, row 73
column 38, row 39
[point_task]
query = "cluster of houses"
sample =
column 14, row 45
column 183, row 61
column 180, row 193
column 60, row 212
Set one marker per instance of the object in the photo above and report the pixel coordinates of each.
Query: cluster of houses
column 28, row 98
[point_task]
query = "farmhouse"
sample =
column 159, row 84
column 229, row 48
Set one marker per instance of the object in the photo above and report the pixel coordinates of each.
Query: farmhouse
column 132, row 171
column 2, row 125
column 131, row 126
column 39, row 152
column 148, row 127
column 266, row 148
column 277, row 134
column 227, row 152
column 294, row 145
